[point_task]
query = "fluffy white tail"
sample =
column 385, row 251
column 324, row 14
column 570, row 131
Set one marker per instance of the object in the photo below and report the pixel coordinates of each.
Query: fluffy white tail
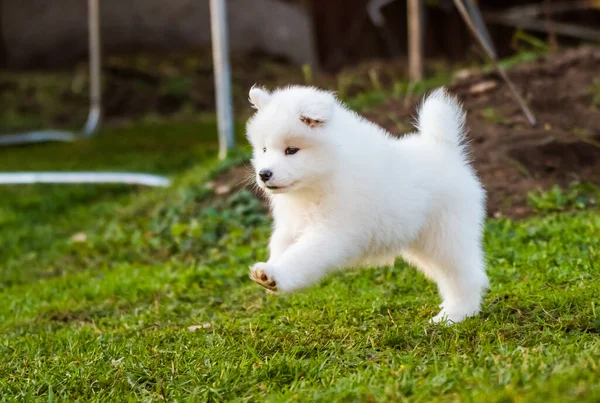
column 442, row 118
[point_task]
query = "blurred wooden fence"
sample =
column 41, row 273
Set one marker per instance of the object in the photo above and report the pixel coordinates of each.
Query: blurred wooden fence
column 344, row 34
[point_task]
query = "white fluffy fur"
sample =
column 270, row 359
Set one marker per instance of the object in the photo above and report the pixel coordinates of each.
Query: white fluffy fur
column 355, row 196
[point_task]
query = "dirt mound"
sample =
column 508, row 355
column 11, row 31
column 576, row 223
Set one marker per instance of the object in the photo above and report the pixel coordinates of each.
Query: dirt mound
column 512, row 157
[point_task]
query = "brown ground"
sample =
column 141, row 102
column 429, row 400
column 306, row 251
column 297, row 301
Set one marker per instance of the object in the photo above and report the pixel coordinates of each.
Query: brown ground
column 512, row 157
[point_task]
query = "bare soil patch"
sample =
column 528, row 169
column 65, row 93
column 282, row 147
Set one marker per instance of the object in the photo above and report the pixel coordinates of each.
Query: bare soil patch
column 512, row 157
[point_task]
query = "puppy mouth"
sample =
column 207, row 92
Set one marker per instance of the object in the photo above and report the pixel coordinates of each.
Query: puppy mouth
column 279, row 189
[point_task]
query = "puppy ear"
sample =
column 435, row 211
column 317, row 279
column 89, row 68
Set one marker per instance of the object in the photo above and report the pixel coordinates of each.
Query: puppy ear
column 317, row 113
column 258, row 97
column 310, row 122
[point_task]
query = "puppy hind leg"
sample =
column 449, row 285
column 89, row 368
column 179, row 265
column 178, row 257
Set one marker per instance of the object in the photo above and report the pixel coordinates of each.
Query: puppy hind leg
column 457, row 267
column 462, row 284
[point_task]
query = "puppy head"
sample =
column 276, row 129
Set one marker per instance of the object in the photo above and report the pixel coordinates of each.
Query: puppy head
column 288, row 133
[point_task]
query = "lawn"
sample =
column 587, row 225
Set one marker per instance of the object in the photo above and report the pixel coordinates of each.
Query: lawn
column 113, row 293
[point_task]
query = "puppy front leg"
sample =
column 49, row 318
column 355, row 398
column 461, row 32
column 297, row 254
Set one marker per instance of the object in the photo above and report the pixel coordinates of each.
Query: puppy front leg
column 306, row 261
column 281, row 239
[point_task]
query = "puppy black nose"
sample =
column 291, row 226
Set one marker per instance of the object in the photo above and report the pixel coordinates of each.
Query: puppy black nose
column 265, row 175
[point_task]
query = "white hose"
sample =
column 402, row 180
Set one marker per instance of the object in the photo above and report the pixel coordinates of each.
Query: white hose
column 18, row 178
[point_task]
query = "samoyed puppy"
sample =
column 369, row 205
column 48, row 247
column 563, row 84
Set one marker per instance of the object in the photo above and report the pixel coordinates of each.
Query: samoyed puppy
column 345, row 193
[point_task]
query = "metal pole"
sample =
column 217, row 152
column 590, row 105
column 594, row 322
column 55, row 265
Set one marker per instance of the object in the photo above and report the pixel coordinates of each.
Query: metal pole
column 481, row 34
column 95, row 113
column 222, row 72
column 415, row 39
column 92, row 124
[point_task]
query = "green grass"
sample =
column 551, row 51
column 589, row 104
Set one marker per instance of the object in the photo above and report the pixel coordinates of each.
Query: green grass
column 105, row 316
column 577, row 196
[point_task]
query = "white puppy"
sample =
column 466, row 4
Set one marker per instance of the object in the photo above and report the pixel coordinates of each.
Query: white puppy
column 345, row 193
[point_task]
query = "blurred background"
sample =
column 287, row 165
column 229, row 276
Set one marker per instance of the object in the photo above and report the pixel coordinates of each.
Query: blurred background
column 157, row 85
column 157, row 81
column 157, row 57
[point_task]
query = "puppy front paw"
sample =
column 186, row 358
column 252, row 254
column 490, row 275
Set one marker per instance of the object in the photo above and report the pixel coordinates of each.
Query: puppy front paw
column 261, row 274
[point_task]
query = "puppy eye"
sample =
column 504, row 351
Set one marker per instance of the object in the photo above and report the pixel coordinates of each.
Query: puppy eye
column 264, row 149
column 291, row 150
